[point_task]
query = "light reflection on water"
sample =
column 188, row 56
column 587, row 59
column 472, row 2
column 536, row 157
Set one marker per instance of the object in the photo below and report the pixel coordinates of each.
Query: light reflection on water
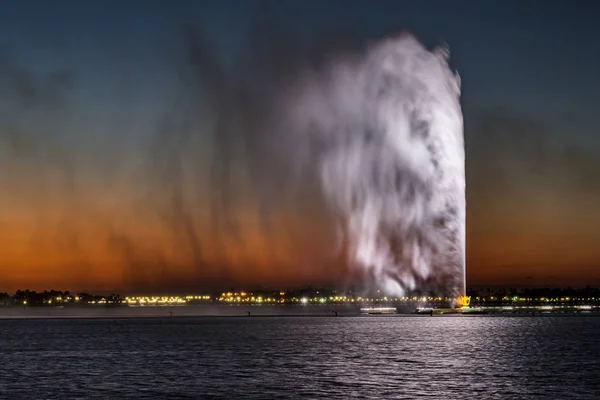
column 363, row 357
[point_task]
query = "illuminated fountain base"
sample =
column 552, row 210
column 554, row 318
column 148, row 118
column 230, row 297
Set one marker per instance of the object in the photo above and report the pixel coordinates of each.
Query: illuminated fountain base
column 461, row 307
column 463, row 302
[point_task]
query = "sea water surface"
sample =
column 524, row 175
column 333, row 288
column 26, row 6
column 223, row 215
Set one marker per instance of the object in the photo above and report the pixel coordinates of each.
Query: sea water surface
column 399, row 357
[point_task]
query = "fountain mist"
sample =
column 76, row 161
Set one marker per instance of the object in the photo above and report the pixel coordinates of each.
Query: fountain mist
column 393, row 162
column 381, row 132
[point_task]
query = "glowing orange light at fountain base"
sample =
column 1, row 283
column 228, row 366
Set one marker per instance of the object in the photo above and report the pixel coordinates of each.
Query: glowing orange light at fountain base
column 463, row 301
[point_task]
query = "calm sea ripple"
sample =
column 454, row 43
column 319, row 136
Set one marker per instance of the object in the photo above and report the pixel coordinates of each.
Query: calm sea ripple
column 553, row 357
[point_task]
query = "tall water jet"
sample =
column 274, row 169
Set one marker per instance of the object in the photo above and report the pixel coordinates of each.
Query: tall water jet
column 392, row 163
column 380, row 130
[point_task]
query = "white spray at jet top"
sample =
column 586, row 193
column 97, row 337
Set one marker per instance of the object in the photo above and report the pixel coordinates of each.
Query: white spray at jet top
column 393, row 164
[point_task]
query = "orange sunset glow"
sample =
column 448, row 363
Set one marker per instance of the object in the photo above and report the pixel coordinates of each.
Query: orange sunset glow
column 137, row 158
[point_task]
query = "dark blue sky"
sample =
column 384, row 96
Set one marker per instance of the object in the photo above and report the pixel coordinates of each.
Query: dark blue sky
column 510, row 53
column 530, row 79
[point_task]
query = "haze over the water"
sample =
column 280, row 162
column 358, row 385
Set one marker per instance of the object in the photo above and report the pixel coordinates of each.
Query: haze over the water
column 381, row 128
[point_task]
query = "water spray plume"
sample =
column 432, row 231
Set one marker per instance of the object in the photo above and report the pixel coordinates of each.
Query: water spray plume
column 393, row 164
column 380, row 133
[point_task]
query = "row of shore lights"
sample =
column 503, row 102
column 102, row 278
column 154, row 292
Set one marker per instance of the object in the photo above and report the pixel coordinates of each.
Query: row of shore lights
column 163, row 299
column 545, row 299
column 59, row 299
column 135, row 300
column 244, row 297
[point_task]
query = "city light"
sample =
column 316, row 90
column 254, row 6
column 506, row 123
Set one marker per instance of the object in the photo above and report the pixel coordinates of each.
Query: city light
column 544, row 301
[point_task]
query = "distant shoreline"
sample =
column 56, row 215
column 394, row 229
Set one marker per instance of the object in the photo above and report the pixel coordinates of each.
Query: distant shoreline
column 253, row 311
